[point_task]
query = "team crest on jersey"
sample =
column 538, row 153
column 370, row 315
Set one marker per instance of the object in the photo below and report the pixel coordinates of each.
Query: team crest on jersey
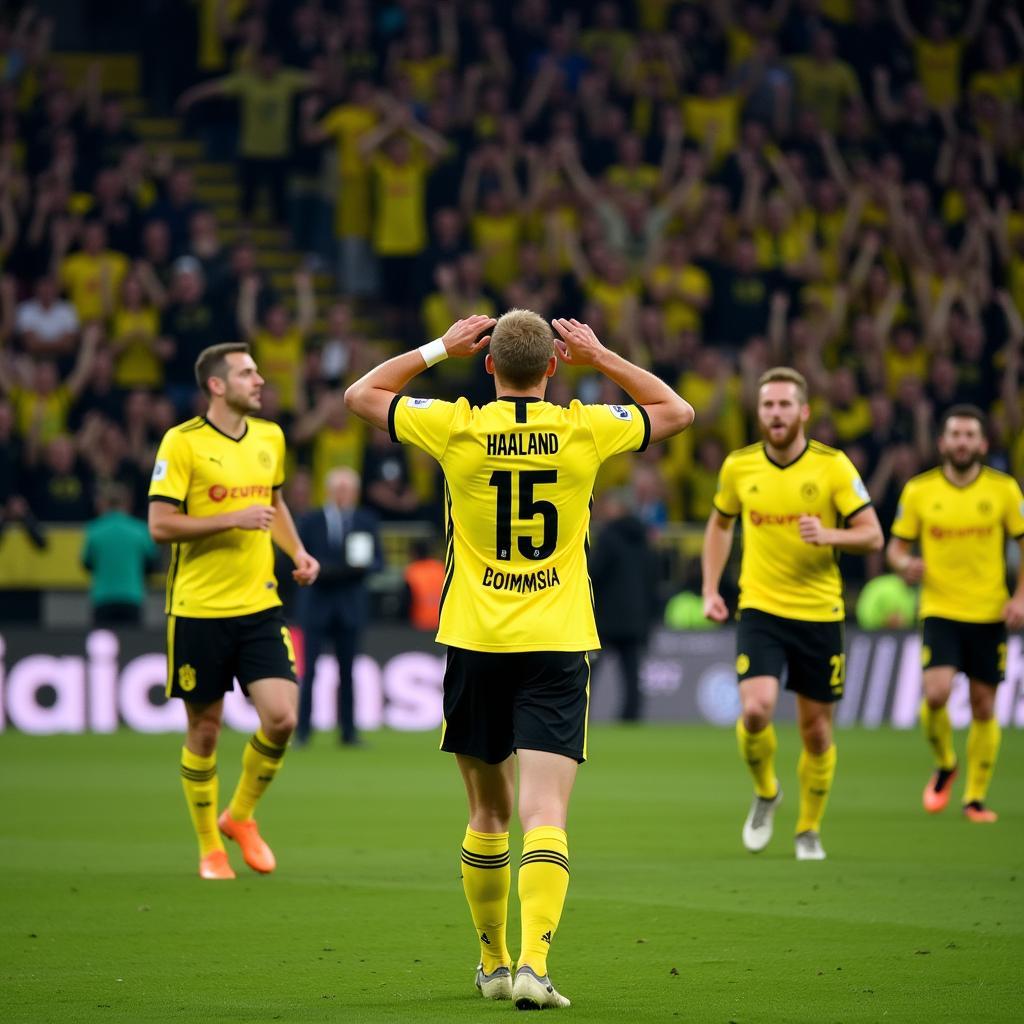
column 187, row 678
column 620, row 412
column 985, row 507
column 264, row 459
column 159, row 470
column 809, row 491
column 860, row 490
column 419, row 403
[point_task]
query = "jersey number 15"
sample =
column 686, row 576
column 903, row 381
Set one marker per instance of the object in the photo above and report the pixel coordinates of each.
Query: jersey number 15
column 529, row 508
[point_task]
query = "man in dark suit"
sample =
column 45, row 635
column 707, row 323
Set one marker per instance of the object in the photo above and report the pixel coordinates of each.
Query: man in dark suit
column 623, row 572
column 343, row 537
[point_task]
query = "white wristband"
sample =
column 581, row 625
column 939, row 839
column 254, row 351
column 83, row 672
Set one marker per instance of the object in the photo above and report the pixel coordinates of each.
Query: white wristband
column 433, row 352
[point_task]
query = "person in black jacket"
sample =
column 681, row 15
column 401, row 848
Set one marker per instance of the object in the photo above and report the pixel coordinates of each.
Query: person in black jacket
column 343, row 537
column 623, row 575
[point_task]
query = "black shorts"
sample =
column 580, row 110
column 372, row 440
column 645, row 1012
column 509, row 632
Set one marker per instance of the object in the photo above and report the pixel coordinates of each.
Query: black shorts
column 495, row 704
column 204, row 656
column 811, row 651
column 978, row 649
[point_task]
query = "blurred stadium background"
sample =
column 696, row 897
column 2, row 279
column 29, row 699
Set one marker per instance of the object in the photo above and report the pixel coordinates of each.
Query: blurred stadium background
column 716, row 187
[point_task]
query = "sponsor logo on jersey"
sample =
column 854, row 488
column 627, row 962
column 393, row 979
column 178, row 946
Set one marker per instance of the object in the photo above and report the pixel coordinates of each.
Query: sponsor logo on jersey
column 159, row 470
column 218, row 492
column 770, row 519
column 418, row 403
column 860, row 490
column 620, row 412
column 954, row 532
column 521, row 582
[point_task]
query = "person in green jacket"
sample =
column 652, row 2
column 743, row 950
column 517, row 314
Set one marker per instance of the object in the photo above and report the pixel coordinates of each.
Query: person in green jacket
column 117, row 552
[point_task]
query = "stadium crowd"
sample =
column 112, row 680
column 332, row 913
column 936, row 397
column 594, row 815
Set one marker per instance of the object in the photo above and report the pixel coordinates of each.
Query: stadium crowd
column 716, row 188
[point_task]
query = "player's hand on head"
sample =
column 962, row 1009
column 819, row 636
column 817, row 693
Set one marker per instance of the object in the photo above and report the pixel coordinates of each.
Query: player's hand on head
column 306, row 570
column 811, row 531
column 715, row 608
column 576, row 342
column 466, row 337
column 255, row 517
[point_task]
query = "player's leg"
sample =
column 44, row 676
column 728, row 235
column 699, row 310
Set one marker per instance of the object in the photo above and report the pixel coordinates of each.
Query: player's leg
column 760, row 657
column 941, row 656
column 817, row 675
column 199, row 672
column 936, row 686
column 265, row 667
column 983, row 739
column 815, row 771
column 985, row 665
column 486, row 870
column 477, row 728
column 550, row 723
column 545, row 785
column 199, row 782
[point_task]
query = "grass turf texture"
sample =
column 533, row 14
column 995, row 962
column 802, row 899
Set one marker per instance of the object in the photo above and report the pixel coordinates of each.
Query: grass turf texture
column 913, row 918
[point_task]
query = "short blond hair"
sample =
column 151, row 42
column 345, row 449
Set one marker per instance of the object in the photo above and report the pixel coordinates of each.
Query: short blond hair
column 521, row 346
column 785, row 375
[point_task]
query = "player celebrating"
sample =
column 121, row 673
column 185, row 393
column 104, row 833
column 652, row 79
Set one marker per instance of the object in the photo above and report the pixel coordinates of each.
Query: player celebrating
column 215, row 497
column 794, row 496
column 961, row 514
column 516, row 610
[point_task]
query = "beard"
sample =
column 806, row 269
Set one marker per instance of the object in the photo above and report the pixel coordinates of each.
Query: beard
column 961, row 465
column 788, row 437
column 243, row 404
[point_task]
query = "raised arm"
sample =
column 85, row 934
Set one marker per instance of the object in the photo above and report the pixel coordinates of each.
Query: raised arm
column 903, row 23
column 668, row 413
column 79, row 375
column 305, row 302
column 975, row 17
column 248, row 323
column 198, row 93
column 371, row 396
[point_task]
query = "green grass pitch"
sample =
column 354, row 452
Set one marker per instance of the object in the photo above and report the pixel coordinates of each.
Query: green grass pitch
column 912, row 918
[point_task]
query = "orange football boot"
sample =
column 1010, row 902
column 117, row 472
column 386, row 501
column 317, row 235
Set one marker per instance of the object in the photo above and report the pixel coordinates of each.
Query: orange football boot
column 215, row 866
column 936, row 794
column 257, row 854
column 977, row 812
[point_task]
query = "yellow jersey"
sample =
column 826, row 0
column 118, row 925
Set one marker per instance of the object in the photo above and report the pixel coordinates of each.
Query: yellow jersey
column 82, row 275
column 962, row 532
column 780, row 573
column 400, row 228
column 519, row 474
column 207, row 472
column 280, row 359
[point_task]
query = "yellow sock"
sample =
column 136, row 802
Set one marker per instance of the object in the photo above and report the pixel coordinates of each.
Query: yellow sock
column 199, row 781
column 815, row 772
column 543, row 882
column 938, row 730
column 486, row 880
column 758, row 751
column 982, row 750
column 261, row 760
